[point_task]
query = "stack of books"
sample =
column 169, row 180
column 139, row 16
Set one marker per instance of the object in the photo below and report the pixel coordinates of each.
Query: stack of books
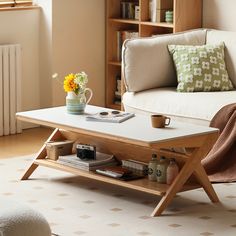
column 102, row 160
column 137, row 167
column 128, row 9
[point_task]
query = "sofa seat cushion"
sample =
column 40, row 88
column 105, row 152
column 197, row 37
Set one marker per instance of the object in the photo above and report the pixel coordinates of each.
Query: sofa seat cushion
column 198, row 108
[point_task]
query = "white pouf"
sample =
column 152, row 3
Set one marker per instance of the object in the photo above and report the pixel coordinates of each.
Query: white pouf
column 20, row 220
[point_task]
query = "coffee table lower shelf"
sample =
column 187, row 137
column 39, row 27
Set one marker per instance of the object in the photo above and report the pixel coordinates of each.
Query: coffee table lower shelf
column 143, row 184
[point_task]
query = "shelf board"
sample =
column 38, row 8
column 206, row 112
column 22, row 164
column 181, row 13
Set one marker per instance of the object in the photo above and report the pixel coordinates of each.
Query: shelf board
column 148, row 23
column 126, row 21
column 114, row 63
column 157, row 24
column 143, row 185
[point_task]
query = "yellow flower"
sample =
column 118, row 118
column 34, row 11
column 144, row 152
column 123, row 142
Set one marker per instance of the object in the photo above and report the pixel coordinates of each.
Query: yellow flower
column 69, row 84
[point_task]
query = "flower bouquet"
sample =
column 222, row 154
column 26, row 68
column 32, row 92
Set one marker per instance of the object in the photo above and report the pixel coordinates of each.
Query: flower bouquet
column 75, row 86
column 75, row 82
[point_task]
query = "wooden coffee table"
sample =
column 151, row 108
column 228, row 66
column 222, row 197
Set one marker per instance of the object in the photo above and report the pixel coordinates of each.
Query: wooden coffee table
column 132, row 139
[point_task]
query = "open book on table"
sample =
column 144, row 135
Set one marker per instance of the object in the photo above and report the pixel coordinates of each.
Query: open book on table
column 112, row 117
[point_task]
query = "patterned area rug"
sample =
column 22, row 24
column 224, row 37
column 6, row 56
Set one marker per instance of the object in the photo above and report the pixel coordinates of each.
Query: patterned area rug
column 79, row 206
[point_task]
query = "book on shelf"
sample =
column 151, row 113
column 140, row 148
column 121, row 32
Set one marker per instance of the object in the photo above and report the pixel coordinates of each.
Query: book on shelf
column 117, row 101
column 128, row 9
column 118, row 77
column 136, row 166
column 118, row 94
column 158, row 8
column 121, row 36
column 161, row 4
column 118, row 45
column 86, row 168
column 118, row 89
column 118, row 82
column 102, row 160
column 110, row 118
column 119, row 172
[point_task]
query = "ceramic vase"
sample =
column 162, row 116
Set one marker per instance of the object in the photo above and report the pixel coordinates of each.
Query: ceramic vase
column 76, row 103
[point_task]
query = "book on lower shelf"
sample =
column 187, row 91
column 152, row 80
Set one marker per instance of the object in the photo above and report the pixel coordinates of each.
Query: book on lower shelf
column 138, row 167
column 119, row 172
column 102, row 160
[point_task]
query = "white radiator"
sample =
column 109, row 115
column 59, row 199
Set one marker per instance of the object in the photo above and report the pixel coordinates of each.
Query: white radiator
column 10, row 88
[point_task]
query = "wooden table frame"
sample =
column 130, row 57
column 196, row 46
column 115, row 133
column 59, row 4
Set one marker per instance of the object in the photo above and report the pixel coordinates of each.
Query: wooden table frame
column 198, row 146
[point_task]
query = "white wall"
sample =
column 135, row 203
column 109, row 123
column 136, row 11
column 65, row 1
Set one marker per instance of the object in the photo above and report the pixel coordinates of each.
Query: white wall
column 23, row 27
column 219, row 14
column 79, row 44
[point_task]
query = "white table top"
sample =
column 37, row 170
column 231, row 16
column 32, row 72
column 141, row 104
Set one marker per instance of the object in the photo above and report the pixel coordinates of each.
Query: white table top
column 137, row 128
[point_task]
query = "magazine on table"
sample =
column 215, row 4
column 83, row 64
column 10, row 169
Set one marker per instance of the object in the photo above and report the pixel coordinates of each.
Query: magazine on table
column 110, row 116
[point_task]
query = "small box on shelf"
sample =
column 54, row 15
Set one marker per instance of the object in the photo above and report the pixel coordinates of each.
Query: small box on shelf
column 56, row 149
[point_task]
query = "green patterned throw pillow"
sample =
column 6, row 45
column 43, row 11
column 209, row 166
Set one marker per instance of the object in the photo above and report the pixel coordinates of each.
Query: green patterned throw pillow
column 200, row 68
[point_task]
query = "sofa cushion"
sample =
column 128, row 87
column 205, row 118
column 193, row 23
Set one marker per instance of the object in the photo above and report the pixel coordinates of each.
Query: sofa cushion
column 229, row 39
column 200, row 68
column 196, row 106
column 147, row 64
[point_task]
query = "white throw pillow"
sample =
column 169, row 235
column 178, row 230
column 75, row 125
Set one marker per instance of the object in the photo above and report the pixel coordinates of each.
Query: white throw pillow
column 147, row 64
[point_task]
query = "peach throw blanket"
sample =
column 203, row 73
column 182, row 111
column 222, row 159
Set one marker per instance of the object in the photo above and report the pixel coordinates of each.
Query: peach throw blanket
column 220, row 163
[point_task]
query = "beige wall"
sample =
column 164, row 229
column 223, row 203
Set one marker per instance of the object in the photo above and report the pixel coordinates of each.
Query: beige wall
column 78, row 35
column 219, row 14
column 63, row 37
column 23, row 27
column 45, row 53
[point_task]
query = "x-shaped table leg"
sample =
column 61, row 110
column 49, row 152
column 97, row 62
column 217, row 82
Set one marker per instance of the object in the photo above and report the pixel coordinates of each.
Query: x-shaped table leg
column 41, row 154
column 192, row 166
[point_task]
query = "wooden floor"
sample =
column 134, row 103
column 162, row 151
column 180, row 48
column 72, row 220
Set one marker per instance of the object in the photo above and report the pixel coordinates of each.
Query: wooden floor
column 25, row 143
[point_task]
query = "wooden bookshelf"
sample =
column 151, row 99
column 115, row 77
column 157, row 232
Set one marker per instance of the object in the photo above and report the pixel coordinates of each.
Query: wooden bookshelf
column 187, row 14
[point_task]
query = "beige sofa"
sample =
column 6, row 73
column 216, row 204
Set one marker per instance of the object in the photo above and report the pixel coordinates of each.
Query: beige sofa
column 150, row 78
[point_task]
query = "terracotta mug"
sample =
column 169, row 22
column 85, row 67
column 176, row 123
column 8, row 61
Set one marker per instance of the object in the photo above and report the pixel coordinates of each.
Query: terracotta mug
column 160, row 121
